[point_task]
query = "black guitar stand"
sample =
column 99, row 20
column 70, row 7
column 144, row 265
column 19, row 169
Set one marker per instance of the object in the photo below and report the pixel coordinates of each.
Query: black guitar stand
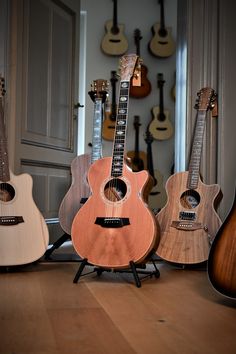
column 65, row 237
column 134, row 269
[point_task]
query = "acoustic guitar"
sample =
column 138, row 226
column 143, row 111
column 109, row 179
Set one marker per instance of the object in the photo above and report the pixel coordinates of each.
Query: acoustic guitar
column 114, row 42
column 79, row 190
column 189, row 221
column 24, row 234
column 157, row 196
column 109, row 122
column 115, row 226
column 145, row 88
column 160, row 127
column 221, row 265
column 162, row 43
column 138, row 159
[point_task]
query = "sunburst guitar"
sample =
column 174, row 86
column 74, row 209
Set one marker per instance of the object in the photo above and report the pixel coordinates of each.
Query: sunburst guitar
column 79, row 190
column 24, row 234
column 115, row 226
column 189, row 221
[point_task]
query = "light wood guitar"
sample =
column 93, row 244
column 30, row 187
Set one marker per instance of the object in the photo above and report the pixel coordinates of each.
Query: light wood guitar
column 157, row 197
column 79, row 190
column 145, row 88
column 221, row 266
column 161, row 127
column 162, row 43
column 115, row 226
column 24, row 234
column 138, row 159
column 189, row 221
column 114, row 42
column 109, row 122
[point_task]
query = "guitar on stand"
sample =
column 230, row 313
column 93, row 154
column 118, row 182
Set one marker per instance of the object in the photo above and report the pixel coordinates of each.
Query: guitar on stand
column 114, row 42
column 157, row 197
column 189, row 221
column 115, row 229
column 138, row 159
column 221, row 265
column 162, row 44
column 79, row 190
column 161, row 127
column 109, row 122
column 145, row 88
column 24, row 233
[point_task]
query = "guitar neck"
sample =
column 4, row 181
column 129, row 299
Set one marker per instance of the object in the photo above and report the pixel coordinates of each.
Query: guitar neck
column 162, row 17
column 195, row 159
column 4, row 164
column 120, row 130
column 115, row 28
column 97, row 131
column 150, row 160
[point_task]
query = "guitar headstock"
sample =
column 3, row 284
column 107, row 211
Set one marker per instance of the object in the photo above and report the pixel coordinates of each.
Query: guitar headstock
column 113, row 78
column 206, row 99
column 99, row 89
column 2, row 87
column 160, row 80
column 137, row 122
column 148, row 137
column 137, row 36
column 130, row 65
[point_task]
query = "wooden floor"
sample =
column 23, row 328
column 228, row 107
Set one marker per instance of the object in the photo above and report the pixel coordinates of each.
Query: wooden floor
column 44, row 312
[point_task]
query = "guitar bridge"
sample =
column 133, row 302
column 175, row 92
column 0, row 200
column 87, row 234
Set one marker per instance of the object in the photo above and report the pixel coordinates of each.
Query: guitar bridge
column 186, row 225
column 112, row 222
column 10, row 220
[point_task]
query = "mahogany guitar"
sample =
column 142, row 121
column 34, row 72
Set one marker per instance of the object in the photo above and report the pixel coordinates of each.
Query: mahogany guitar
column 157, row 197
column 222, row 258
column 79, row 190
column 145, row 88
column 189, row 221
column 138, row 159
column 162, row 43
column 108, row 128
column 115, row 226
column 24, row 234
column 161, row 127
column 114, row 42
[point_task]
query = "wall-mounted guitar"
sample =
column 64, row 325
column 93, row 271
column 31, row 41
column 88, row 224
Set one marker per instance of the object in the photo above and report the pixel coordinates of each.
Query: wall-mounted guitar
column 145, row 88
column 138, row 159
column 114, row 42
column 222, row 258
column 115, row 227
column 24, row 233
column 160, row 127
column 162, row 43
column 157, row 196
column 189, row 221
column 109, row 122
column 79, row 190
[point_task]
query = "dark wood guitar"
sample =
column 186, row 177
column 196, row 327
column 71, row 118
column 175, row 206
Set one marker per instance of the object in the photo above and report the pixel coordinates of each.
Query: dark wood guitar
column 145, row 88
column 157, row 196
column 221, row 266
column 161, row 127
column 138, row 159
column 162, row 43
column 79, row 190
column 108, row 128
column 115, row 226
column 189, row 221
column 24, row 234
column 114, row 42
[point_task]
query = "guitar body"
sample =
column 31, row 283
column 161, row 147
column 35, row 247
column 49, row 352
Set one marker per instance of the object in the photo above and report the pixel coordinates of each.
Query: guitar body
column 78, row 192
column 108, row 127
column 145, row 88
column 160, row 129
column 115, row 246
column 137, row 163
column 114, row 43
column 222, row 257
column 26, row 240
column 188, row 222
column 161, row 45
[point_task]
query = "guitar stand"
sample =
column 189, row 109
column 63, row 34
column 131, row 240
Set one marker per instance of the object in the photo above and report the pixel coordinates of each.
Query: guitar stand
column 65, row 237
column 134, row 269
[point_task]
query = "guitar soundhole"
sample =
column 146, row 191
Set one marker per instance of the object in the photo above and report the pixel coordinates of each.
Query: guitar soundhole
column 7, row 192
column 115, row 190
column 190, row 199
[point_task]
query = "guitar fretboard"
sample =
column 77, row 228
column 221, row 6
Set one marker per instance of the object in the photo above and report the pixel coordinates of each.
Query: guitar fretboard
column 120, row 130
column 97, row 131
column 194, row 165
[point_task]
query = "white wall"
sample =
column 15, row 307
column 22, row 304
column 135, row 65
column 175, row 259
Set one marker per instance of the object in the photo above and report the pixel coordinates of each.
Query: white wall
column 133, row 14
